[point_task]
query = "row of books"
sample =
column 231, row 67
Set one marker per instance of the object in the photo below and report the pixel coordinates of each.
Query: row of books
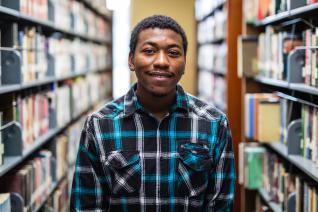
column 94, row 87
column 273, row 49
column 35, row 178
column 75, row 16
column 212, row 57
column 54, row 107
column 267, row 55
column 71, row 15
column 205, row 7
column 67, row 57
column 257, row 10
column 267, row 119
column 32, row 180
column 35, row 8
column 265, row 171
column 213, row 28
column 212, row 89
column 54, row 55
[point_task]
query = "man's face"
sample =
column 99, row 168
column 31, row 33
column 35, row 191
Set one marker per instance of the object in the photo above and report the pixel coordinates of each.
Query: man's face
column 158, row 60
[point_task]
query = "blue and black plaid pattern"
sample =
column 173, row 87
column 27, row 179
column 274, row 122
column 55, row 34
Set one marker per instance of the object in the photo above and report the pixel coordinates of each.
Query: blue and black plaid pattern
column 130, row 161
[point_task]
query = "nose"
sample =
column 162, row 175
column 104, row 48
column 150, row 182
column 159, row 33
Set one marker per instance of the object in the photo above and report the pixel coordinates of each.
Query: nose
column 161, row 61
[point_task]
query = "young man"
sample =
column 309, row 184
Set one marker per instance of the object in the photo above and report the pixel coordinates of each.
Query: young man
column 157, row 148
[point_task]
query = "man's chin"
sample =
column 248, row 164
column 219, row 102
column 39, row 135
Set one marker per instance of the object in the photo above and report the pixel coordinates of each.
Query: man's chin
column 159, row 94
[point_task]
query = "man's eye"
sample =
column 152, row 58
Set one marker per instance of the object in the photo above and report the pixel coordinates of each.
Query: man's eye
column 149, row 51
column 174, row 53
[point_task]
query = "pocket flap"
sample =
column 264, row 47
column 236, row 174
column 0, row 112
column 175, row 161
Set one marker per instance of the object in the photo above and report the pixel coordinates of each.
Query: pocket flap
column 120, row 159
column 196, row 156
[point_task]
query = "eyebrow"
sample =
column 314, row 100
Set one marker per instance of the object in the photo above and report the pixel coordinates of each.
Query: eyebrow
column 156, row 45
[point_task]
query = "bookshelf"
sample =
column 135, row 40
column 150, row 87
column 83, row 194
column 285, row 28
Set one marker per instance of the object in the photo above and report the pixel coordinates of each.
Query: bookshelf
column 284, row 64
column 43, row 75
column 218, row 25
column 265, row 197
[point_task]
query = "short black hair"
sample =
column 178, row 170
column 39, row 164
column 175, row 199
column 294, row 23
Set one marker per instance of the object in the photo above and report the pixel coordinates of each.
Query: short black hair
column 157, row 21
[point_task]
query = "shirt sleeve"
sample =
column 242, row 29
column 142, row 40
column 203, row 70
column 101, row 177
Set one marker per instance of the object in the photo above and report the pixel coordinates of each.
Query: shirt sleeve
column 221, row 186
column 89, row 187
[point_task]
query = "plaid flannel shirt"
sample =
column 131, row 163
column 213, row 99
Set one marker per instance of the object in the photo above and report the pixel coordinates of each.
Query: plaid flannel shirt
column 130, row 161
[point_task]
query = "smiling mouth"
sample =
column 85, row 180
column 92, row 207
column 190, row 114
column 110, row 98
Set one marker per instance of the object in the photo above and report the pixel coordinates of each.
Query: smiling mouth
column 160, row 74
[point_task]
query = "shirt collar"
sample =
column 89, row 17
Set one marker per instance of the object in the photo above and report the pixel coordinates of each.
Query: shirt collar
column 131, row 103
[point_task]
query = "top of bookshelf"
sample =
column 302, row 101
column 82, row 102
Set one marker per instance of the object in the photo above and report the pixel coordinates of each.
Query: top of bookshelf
column 287, row 15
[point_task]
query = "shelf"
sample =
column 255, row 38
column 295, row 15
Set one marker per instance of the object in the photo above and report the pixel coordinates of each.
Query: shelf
column 47, row 25
column 9, row 88
column 9, row 12
column 273, row 206
column 305, row 165
column 288, row 15
column 215, row 41
column 268, row 81
column 217, row 7
column 303, row 88
column 17, row 87
column 218, row 72
column 11, row 162
column 312, row 8
column 275, row 19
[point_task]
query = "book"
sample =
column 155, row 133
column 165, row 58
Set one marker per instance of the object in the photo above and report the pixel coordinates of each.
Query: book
column 61, row 156
column 268, row 121
column 247, row 56
column 262, row 114
column 253, row 158
column 5, row 204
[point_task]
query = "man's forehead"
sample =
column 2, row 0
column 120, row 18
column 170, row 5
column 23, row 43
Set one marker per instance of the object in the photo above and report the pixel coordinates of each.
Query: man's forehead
column 154, row 34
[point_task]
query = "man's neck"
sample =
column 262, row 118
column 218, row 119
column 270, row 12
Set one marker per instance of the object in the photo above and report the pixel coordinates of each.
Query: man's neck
column 158, row 106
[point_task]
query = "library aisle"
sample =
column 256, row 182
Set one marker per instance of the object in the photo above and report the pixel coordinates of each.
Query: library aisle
column 255, row 60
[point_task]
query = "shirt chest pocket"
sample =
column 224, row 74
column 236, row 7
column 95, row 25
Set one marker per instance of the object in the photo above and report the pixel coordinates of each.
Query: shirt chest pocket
column 193, row 168
column 125, row 171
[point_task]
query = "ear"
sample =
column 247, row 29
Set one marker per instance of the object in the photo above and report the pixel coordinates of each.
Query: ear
column 131, row 64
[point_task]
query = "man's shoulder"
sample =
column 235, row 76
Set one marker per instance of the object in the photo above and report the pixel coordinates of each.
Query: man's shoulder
column 203, row 109
column 109, row 110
